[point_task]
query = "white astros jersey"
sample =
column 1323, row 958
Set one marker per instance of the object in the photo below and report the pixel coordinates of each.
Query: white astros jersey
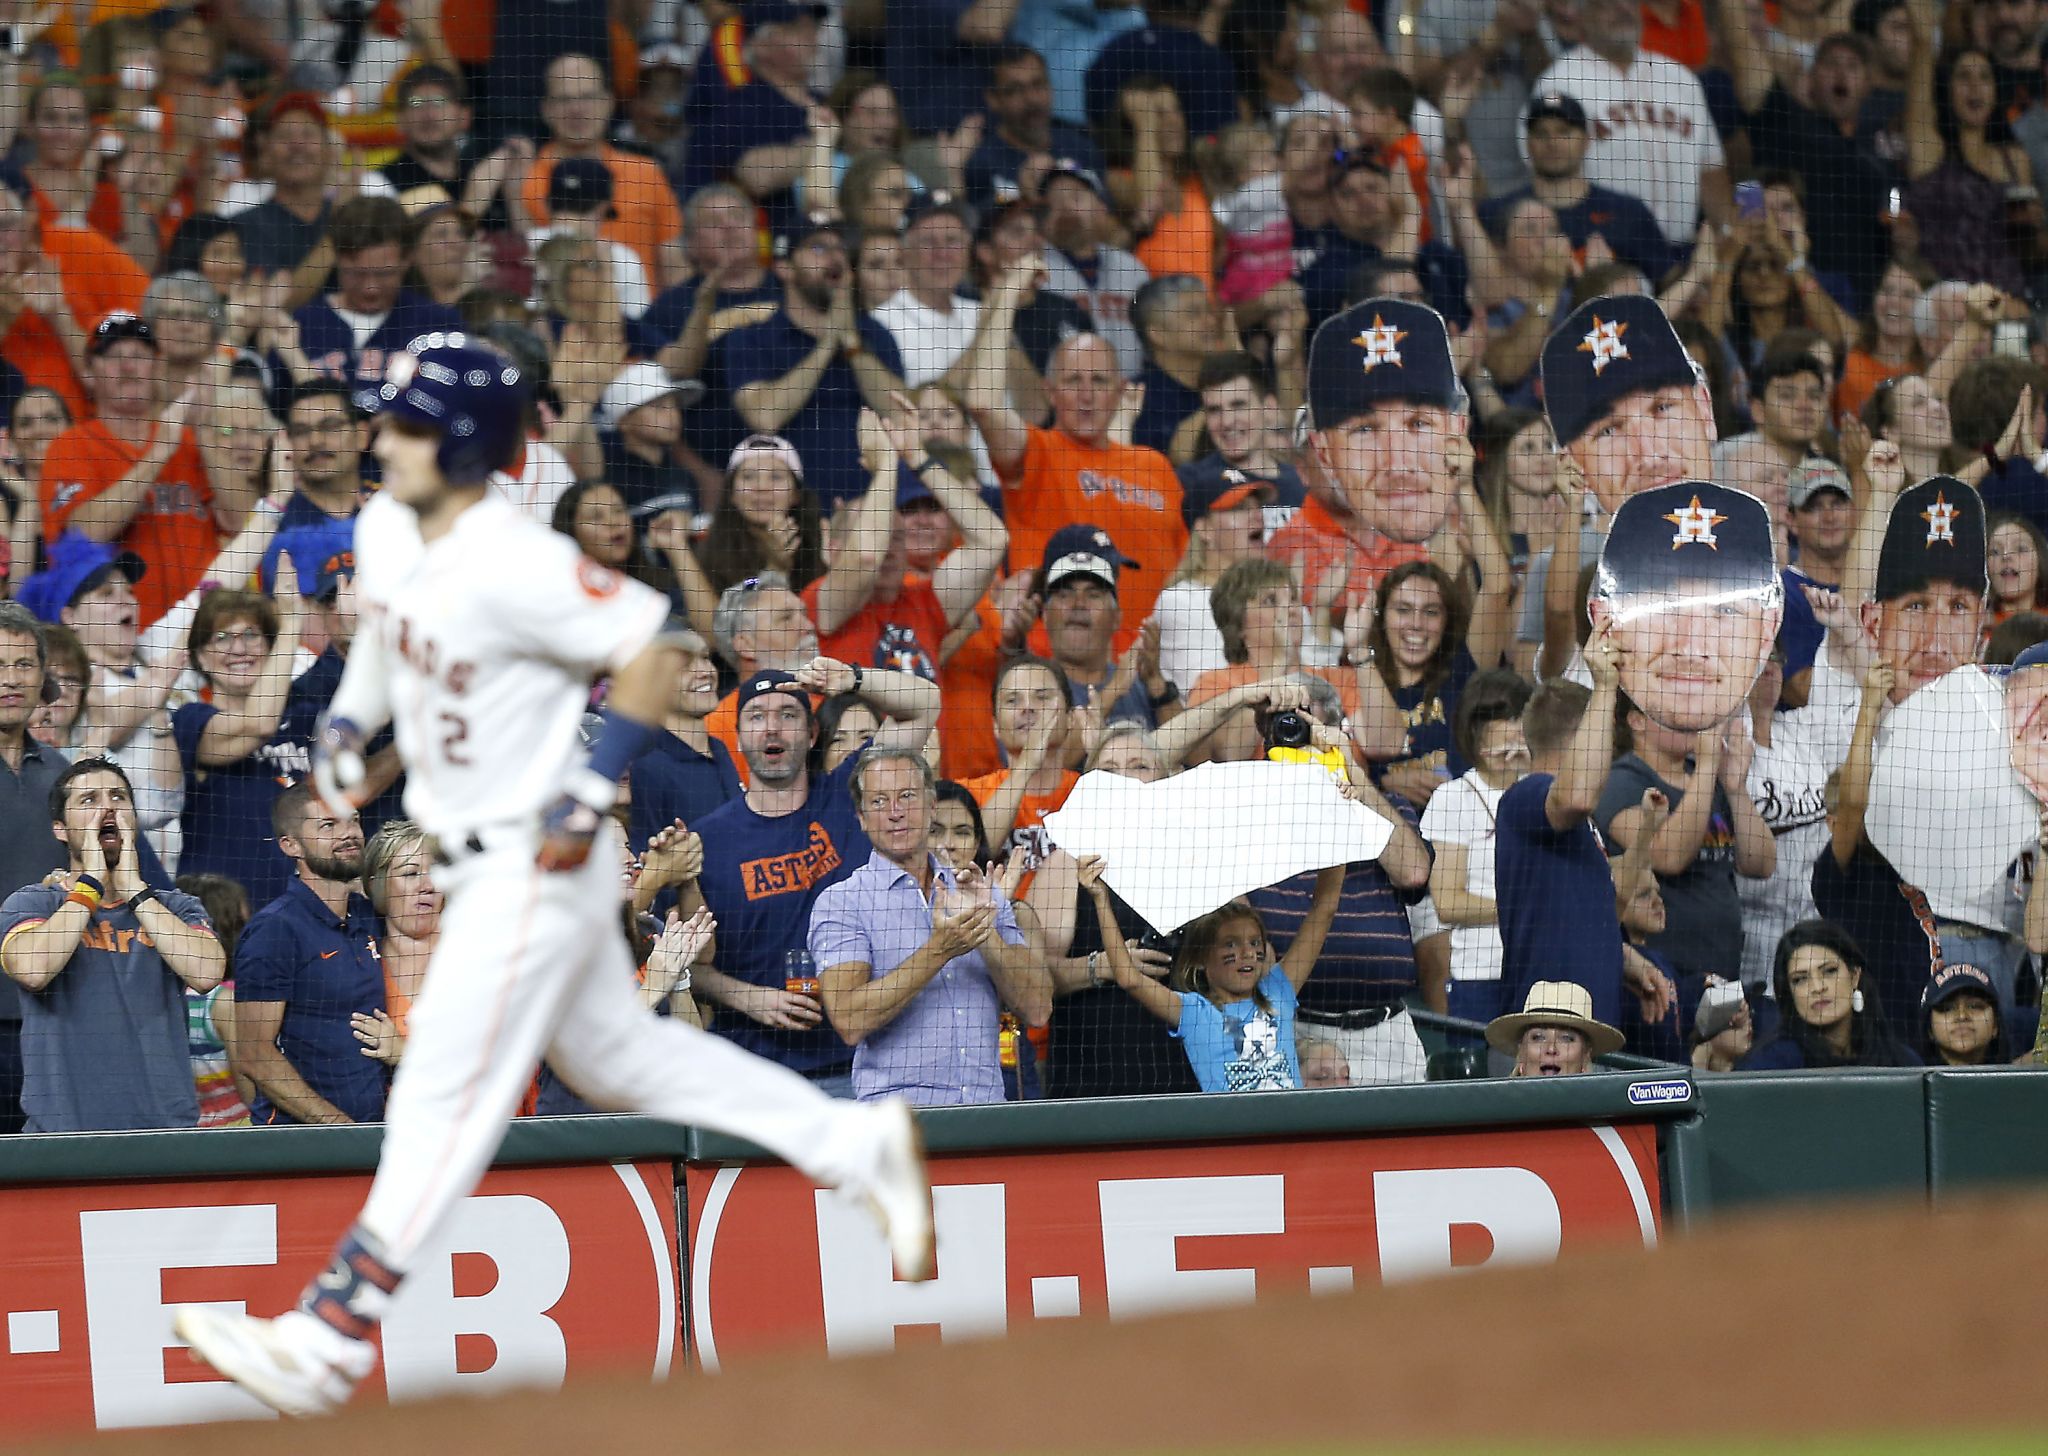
column 490, row 637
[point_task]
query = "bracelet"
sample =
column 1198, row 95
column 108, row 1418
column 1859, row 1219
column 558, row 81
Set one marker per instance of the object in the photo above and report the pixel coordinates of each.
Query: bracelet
column 929, row 464
column 87, row 885
column 1094, row 958
column 90, row 902
column 147, row 892
column 858, row 675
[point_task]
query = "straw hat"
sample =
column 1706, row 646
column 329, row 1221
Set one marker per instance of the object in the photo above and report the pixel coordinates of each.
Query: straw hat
column 1554, row 1003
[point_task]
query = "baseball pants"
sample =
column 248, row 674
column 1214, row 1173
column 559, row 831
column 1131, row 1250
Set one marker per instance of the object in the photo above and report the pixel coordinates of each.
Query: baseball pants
column 530, row 964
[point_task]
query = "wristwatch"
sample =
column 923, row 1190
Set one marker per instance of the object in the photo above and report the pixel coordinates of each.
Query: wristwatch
column 857, row 676
column 1169, row 694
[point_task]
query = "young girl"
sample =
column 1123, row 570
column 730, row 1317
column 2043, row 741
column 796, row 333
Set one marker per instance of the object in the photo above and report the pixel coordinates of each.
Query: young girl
column 1229, row 1002
column 1959, row 1020
column 1258, row 237
column 2017, row 552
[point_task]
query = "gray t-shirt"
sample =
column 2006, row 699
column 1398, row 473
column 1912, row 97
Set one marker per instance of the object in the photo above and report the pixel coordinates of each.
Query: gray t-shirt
column 1442, row 29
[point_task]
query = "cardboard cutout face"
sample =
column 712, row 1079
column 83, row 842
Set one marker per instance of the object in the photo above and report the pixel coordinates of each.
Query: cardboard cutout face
column 1689, row 581
column 1392, row 467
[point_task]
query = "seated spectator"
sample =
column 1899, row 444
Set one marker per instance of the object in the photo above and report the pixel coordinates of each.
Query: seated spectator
column 874, row 607
column 1961, row 163
column 1554, row 1034
column 866, row 122
column 760, row 625
column 767, row 519
column 1084, row 266
column 308, row 965
column 1074, row 470
column 580, row 202
column 1179, row 325
column 1911, row 414
column 1243, row 404
column 757, row 132
column 1828, row 1015
column 879, row 272
column 132, row 476
column 105, row 959
column 1370, row 219
column 37, row 417
column 1229, row 1001
column 1460, row 828
column 440, row 149
column 1765, row 291
column 577, row 108
column 329, row 439
column 1171, row 47
column 1887, row 345
column 68, row 190
column 56, row 715
column 235, row 755
column 596, row 517
column 811, row 365
column 1070, row 39
column 1960, row 1023
column 1022, row 140
column 915, row 960
column 1154, row 185
column 873, row 196
column 2019, row 566
column 1225, row 511
column 640, row 423
column 684, row 773
column 66, row 279
column 932, row 325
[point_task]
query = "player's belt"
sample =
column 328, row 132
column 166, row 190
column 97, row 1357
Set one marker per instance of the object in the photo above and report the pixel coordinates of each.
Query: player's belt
column 467, row 848
column 1364, row 1018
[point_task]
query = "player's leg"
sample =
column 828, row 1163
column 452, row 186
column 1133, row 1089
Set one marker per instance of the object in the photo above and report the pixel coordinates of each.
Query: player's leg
column 619, row 1056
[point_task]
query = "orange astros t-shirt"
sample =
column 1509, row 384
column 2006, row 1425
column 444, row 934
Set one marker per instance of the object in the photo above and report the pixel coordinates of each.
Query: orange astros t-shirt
column 1315, row 540
column 97, row 277
column 967, row 717
column 174, row 533
column 904, row 635
column 1129, row 491
column 1027, row 833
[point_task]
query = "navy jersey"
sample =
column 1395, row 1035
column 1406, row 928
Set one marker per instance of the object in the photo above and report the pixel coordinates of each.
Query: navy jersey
column 825, row 429
column 103, row 1044
column 329, row 344
column 310, row 694
column 711, row 427
column 735, row 123
column 324, row 969
column 672, row 781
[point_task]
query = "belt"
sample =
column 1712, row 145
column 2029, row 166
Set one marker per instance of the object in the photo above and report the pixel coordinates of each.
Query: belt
column 469, row 847
column 1365, row 1018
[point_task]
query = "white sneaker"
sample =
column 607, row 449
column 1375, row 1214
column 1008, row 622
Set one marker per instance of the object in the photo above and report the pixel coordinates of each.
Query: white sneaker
column 292, row 1364
column 899, row 1194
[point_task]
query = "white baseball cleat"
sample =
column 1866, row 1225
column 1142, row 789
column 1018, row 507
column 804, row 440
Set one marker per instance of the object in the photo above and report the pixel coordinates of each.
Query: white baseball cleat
column 293, row 1364
column 899, row 1194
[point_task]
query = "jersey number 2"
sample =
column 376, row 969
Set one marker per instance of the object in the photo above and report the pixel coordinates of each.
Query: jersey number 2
column 454, row 733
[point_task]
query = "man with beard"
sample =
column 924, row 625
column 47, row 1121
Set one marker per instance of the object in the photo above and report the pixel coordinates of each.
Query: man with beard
column 1386, row 408
column 1023, row 140
column 2015, row 38
column 1082, row 266
column 683, row 773
column 1558, row 136
column 768, row 854
column 434, row 118
column 760, row 626
column 805, row 371
column 105, row 961
column 305, row 964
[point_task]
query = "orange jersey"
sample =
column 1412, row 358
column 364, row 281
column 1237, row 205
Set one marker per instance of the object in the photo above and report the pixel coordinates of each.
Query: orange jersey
column 103, row 216
column 645, row 213
column 967, row 721
column 1129, row 491
column 174, row 532
column 1861, row 374
column 904, row 635
column 1027, row 833
column 1224, row 679
column 1183, row 241
column 96, row 277
column 1405, row 153
column 1315, row 540
column 1686, row 40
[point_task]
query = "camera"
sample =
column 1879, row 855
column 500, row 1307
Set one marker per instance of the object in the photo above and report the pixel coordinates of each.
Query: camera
column 1288, row 729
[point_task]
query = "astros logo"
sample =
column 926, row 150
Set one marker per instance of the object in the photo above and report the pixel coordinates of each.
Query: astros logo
column 1941, row 521
column 1604, row 343
column 1695, row 525
column 1380, row 344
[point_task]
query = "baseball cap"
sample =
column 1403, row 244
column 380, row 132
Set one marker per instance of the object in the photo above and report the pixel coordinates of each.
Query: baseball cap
column 321, row 556
column 781, row 12
column 1073, row 171
column 1949, row 982
column 938, row 204
column 1083, row 550
column 643, row 383
column 1556, row 106
column 770, row 680
column 116, row 325
column 1380, row 350
column 1693, row 530
column 292, row 101
column 999, row 212
column 803, row 230
column 1935, row 533
column 772, row 445
column 579, row 185
column 1813, row 475
column 1607, row 349
column 1210, row 485
column 2035, row 656
column 76, row 562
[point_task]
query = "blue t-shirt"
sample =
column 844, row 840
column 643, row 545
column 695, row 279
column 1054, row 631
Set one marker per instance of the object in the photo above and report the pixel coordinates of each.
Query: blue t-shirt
column 1555, row 895
column 992, row 170
column 324, row 970
column 310, row 694
column 736, row 122
column 1801, row 635
column 227, row 809
column 330, row 346
column 103, row 1045
column 1629, row 226
column 672, row 781
column 1238, row 1047
column 824, row 429
column 711, row 427
column 1200, row 74
column 1168, row 402
column 1429, row 714
column 761, row 877
column 939, row 78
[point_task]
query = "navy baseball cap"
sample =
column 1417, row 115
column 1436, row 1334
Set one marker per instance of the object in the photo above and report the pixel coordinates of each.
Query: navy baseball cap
column 321, row 556
column 771, row 680
column 1210, row 485
column 938, row 204
column 804, row 229
column 1607, row 349
column 1073, row 171
column 1082, row 550
column 579, row 185
column 1694, row 531
column 1949, row 982
column 77, row 563
column 1381, row 350
column 1936, row 533
column 1556, row 106
column 2035, row 656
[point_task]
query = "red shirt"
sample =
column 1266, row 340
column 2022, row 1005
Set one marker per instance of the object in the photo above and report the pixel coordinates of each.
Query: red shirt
column 904, row 635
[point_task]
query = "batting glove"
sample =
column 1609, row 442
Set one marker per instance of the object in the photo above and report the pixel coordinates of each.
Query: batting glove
column 340, row 767
column 567, row 830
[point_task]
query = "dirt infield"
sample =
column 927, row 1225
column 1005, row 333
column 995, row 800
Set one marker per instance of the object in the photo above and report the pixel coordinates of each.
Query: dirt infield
column 1820, row 1321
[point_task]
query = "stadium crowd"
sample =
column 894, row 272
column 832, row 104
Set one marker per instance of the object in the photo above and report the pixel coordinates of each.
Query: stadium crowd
column 945, row 363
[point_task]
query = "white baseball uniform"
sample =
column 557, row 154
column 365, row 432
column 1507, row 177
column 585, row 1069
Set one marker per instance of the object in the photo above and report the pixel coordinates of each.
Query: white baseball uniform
column 480, row 648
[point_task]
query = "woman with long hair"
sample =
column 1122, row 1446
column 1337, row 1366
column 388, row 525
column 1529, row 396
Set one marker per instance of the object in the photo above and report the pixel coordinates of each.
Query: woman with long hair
column 1154, row 184
column 1911, row 413
column 40, row 416
column 1887, row 341
column 1971, row 190
column 1828, row 1014
column 2017, row 554
column 1765, row 289
column 767, row 519
column 1230, row 528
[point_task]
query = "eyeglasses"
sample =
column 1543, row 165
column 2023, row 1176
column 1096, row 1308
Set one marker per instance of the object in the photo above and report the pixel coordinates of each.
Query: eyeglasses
column 241, row 637
column 903, row 798
column 424, row 103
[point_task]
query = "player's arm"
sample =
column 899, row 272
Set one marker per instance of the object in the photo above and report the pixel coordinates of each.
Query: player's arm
column 253, row 1051
column 640, row 691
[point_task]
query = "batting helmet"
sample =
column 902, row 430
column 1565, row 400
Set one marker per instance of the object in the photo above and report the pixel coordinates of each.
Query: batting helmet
column 475, row 396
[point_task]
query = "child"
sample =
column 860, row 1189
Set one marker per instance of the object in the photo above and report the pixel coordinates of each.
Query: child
column 1229, row 1003
column 1382, row 103
column 1960, row 1022
column 1258, row 236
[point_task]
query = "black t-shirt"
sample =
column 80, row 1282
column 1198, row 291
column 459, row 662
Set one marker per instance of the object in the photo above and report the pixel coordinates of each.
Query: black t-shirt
column 1045, row 323
column 1101, row 1042
column 1168, row 403
column 1847, row 187
column 644, row 482
column 405, row 172
column 1703, row 914
column 1891, row 923
column 277, row 240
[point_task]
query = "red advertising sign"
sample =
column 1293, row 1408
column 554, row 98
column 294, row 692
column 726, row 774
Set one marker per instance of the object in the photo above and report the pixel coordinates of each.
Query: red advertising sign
column 776, row 1264
column 544, row 1273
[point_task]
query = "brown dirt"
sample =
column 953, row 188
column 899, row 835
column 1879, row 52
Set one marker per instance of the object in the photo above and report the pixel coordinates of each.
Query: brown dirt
column 1816, row 1321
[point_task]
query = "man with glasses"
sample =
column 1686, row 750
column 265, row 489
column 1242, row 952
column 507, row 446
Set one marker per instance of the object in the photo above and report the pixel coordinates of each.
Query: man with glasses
column 133, row 477
column 917, row 961
column 1023, row 140
column 434, row 119
column 352, row 333
column 328, row 436
column 805, row 371
column 645, row 215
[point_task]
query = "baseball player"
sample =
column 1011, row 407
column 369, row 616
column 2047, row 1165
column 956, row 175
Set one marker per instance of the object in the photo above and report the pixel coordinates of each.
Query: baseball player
column 480, row 633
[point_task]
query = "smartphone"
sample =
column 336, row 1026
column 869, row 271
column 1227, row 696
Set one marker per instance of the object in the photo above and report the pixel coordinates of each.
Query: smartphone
column 1749, row 199
column 2009, row 339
